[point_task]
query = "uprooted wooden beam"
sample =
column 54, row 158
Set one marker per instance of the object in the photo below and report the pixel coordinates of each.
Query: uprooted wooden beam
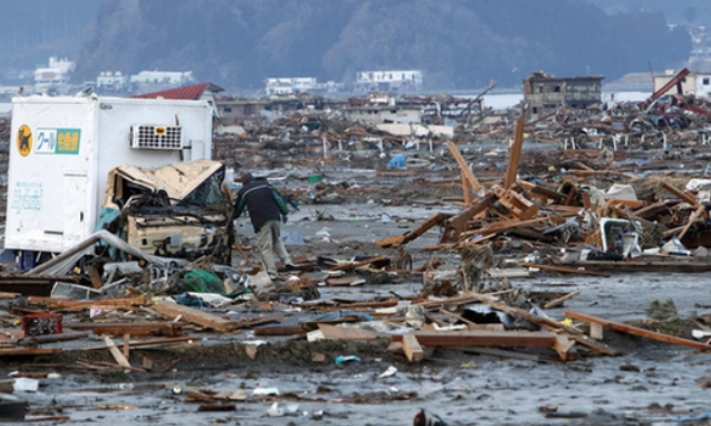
column 436, row 219
column 205, row 319
column 630, row 329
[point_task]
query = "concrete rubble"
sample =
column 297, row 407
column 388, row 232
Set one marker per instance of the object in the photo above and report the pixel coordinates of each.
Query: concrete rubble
column 470, row 207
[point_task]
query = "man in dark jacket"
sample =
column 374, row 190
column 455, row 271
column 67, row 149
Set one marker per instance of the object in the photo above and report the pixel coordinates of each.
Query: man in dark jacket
column 265, row 207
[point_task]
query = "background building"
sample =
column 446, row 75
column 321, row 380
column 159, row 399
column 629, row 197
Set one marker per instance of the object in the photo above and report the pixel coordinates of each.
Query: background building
column 388, row 81
column 695, row 83
column 546, row 93
column 54, row 79
column 287, row 85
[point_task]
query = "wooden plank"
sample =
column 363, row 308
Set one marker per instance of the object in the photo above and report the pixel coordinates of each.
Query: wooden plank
column 597, row 331
column 126, row 346
column 682, row 195
column 342, row 281
column 565, row 269
column 629, row 329
column 144, row 343
column 115, row 352
column 412, row 348
column 132, row 328
column 544, row 322
column 196, row 316
column 58, row 304
column 278, row 331
column 464, row 167
column 50, row 338
column 28, row 352
column 691, row 221
column 333, row 332
column 515, row 151
column 492, row 229
column 559, row 301
column 564, row 347
column 651, row 208
column 399, row 240
column 466, row 190
column 459, row 222
column 486, row 338
column 94, row 276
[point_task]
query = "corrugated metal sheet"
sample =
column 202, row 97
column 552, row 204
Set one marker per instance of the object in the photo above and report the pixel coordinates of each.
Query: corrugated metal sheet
column 193, row 92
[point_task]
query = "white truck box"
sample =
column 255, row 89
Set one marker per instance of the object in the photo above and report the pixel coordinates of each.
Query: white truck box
column 62, row 149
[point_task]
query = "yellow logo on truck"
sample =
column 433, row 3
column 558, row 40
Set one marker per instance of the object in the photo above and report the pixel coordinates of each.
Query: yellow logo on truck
column 24, row 140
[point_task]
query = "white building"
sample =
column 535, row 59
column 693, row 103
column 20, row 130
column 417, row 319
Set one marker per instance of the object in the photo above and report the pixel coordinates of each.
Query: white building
column 171, row 78
column 389, row 81
column 55, row 77
column 286, row 85
column 696, row 83
column 112, row 82
column 376, row 114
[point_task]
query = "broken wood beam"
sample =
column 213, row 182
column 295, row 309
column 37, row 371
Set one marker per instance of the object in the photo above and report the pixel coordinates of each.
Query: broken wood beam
column 559, row 301
column 492, row 229
column 515, row 151
column 680, row 194
column 399, row 240
column 459, row 222
column 132, row 328
column 636, row 331
column 278, row 331
column 115, row 352
column 59, row 304
column 411, row 347
column 565, row 270
column 467, row 173
column 143, row 343
column 691, row 220
column 205, row 319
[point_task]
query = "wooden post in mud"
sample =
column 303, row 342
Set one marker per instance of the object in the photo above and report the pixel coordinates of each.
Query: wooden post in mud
column 515, row 151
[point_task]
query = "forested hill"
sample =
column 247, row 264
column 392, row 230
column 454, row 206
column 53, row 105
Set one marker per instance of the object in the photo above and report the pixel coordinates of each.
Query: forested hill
column 458, row 43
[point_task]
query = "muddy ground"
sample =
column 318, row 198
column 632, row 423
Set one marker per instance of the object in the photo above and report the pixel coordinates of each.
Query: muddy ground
column 650, row 384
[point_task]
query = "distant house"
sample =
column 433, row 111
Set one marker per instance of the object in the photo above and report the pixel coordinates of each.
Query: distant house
column 388, row 81
column 696, row 83
column 545, row 93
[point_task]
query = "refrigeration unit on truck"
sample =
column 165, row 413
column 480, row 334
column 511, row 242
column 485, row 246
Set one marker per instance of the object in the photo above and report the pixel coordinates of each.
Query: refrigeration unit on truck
column 61, row 152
